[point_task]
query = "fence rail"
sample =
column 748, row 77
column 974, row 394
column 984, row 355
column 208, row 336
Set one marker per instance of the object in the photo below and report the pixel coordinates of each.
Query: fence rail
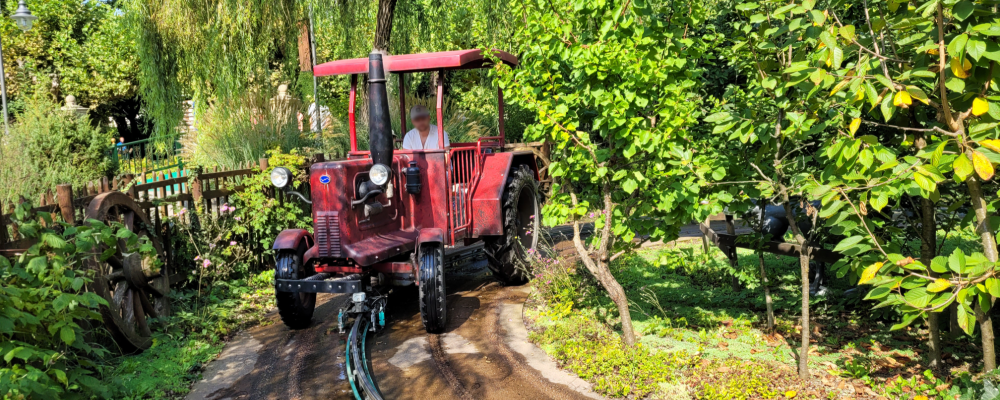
column 147, row 155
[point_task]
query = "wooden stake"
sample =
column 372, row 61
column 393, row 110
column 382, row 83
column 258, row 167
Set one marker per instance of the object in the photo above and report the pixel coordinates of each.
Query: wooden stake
column 64, row 194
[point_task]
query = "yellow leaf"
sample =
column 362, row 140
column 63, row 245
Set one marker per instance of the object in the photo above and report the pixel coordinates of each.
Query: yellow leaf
column 920, row 397
column 982, row 165
column 959, row 68
column 860, row 95
column 869, row 273
column 938, row 285
column 855, row 124
column 933, row 51
column 980, row 106
column 790, row 394
column 839, row 86
column 901, row 99
column 991, row 144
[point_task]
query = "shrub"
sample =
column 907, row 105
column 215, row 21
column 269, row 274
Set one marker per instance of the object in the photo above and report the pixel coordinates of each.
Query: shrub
column 43, row 306
column 48, row 146
column 260, row 212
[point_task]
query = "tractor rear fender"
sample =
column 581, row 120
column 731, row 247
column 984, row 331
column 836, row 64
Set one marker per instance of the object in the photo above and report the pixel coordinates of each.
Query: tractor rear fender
column 290, row 239
column 488, row 197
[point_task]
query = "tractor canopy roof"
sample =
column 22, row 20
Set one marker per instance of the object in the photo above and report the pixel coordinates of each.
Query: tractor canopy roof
column 457, row 59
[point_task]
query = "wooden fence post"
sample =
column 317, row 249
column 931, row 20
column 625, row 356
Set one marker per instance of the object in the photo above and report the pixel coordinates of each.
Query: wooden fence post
column 64, row 195
column 319, row 157
column 263, row 164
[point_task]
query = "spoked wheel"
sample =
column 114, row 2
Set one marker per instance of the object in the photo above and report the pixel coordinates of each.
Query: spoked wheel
column 433, row 297
column 135, row 289
column 296, row 308
column 509, row 254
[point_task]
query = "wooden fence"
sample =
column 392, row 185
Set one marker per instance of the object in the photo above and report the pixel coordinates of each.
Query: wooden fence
column 159, row 195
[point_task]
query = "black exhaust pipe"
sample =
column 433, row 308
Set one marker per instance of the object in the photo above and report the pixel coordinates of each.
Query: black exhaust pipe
column 379, row 127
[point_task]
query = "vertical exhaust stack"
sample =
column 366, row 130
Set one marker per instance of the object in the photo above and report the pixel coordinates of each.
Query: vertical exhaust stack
column 379, row 127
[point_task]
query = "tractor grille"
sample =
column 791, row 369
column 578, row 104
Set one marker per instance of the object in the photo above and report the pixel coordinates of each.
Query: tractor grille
column 328, row 233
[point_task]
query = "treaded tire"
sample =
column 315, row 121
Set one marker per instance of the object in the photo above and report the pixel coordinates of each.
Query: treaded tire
column 433, row 301
column 508, row 254
column 296, row 309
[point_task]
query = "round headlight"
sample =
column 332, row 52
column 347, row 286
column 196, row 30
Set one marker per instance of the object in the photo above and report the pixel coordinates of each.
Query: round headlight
column 280, row 177
column 379, row 174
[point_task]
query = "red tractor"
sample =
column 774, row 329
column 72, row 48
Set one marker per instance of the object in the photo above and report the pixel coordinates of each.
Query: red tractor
column 388, row 217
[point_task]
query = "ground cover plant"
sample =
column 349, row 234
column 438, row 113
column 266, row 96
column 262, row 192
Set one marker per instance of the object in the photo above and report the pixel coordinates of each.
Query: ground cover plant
column 712, row 342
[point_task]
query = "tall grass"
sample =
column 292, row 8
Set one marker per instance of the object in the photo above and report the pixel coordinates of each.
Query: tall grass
column 232, row 132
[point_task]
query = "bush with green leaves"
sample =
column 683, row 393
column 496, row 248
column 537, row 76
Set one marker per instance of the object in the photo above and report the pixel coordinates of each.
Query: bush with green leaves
column 260, row 212
column 44, row 306
column 48, row 146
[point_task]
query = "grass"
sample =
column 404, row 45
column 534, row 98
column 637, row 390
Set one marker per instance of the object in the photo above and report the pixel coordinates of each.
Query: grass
column 193, row 336
column 686, row 311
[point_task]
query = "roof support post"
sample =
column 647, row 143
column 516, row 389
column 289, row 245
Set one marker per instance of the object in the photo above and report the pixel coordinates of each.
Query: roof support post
column 440, row 108
column 350, row 112
column 402, row 106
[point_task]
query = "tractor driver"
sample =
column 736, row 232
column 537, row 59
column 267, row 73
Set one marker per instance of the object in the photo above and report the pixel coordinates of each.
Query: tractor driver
column 423, row 136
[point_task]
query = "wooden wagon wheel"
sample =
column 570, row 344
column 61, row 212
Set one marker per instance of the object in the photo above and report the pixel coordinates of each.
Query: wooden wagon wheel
column 134, row 289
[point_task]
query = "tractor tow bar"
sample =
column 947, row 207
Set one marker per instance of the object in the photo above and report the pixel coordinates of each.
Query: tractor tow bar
column 370, row 318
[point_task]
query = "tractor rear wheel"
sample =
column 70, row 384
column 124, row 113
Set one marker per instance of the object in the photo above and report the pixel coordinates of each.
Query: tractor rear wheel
column 509, row 254
column 433, row 301
column 296, row 309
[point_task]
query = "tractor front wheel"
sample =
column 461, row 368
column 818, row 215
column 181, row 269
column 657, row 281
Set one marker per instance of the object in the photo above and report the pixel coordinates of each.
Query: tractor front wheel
column 296, row 308
column 509, row 254
column 433, row 301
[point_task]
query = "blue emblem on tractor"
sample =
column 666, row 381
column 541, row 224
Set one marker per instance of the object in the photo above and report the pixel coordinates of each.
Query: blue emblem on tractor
column 325, row 179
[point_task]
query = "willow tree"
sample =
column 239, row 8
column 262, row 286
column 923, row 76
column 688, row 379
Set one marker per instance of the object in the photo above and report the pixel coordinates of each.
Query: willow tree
column 209, row 50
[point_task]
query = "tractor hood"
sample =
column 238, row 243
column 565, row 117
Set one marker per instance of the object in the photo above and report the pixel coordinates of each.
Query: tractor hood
column 379, row 127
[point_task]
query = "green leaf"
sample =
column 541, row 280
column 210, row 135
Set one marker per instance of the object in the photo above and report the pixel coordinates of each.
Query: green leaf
column 956, row 261
column 847, row 32
column 907, row 320
column 719, row 117
column 964, row 9
column 955, row 84
column 957, row 46
column 976, row 48
column 878, row 293
column 992, row 51
column 924, row 182
column 879, row 202
column 918, row 297
column 847, row 243
column 939, row 264
column 887, row 108
column 630, row 185
column 964, row 321
column 963, row 167
column 68, row 335
column 993, row 286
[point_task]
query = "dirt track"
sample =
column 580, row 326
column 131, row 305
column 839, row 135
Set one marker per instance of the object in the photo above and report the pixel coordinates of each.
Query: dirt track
column 483, row 353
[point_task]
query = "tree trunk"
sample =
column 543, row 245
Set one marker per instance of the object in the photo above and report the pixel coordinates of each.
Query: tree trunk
column 990, row 251
column 928, row 249
column 767, row 294
column 598, row 264
column 383, row 27
column 804, row 256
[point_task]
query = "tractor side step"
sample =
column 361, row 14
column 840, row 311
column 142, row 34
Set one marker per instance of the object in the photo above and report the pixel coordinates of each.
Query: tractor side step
column 319, row 284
